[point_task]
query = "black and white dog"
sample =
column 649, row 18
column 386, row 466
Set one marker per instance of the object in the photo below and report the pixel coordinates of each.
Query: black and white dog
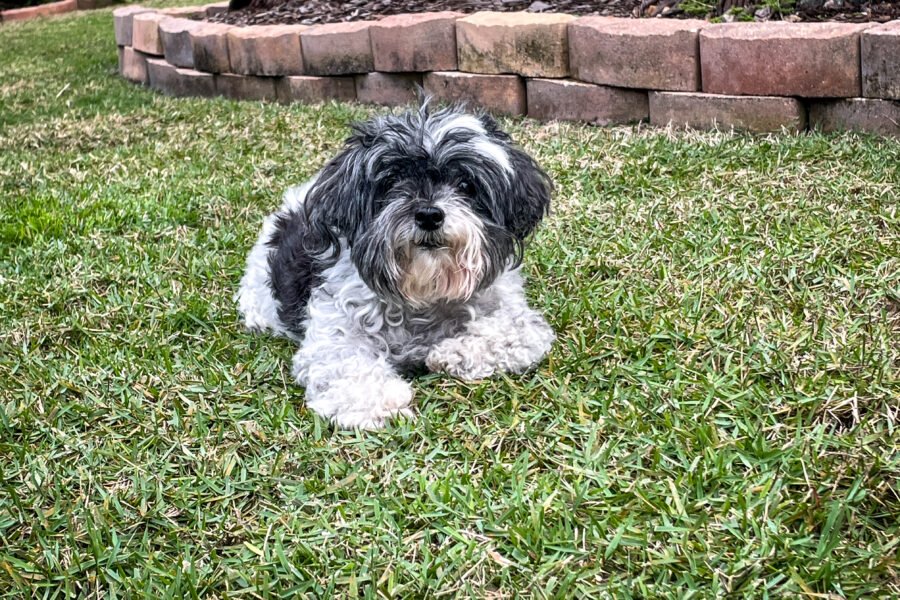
column 403, row 252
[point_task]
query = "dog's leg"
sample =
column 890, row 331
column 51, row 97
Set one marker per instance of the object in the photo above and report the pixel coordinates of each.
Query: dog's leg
column 507, row 337
column 352, row 386
column 348, row 379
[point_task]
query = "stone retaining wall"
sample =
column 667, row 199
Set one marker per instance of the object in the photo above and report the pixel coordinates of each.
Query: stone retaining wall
column 752, row 76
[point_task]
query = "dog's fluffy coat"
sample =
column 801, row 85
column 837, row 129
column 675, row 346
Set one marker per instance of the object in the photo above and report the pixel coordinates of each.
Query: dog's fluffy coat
column 403, row 252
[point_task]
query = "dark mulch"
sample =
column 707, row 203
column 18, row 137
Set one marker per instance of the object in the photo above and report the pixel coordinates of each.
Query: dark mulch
column 311, row 12
column 851, row 11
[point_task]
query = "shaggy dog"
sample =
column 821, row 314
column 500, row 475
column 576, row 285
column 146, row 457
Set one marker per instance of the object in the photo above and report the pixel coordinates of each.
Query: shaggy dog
column 403, row 252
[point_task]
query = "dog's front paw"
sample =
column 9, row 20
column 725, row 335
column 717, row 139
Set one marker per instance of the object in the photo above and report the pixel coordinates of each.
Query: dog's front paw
column 358, row 403
column 462, row 358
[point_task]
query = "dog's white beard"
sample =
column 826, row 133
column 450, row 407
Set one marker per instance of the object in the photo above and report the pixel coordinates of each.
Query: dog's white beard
column 450, row 273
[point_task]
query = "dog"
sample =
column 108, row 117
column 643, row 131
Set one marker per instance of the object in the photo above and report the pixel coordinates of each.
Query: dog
column 402, row 254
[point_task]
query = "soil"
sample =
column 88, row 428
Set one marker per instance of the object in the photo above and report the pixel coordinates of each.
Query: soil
column 312, row 12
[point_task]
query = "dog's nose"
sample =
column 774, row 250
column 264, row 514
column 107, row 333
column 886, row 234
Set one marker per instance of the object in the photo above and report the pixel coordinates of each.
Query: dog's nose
column 429, row 218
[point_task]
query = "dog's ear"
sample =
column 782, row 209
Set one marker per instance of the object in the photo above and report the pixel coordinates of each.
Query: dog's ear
column 340, row 201
column 529, row 186
column 530, row 189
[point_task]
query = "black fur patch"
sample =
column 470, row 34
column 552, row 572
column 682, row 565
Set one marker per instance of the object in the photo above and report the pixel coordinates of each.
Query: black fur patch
column 293, row 270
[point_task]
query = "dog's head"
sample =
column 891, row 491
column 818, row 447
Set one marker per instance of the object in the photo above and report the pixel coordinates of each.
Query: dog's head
column 433, row 205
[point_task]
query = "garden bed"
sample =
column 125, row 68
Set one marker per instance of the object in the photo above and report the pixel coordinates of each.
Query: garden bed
column 313, row 12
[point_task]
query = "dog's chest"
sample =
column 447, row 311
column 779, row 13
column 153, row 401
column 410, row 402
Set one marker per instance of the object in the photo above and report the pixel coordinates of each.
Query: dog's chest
column 345, row 306
column 410, row 336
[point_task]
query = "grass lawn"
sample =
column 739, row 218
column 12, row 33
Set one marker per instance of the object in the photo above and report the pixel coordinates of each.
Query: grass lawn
column 718, row 418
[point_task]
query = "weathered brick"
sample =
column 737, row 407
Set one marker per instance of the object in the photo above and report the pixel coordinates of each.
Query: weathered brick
column 210, row 46
column 337, row 48
column 121, row 58
column 122, row 21
column 707, row 111
column 529, row 44
column 315, row 90
column 266, row 50
column 159, row 71
column 176, row 40
column 145, row 34
column 811, row 60
column 216, row 8
column 173, row 81
column 134, row 65
column 415, row 42
column 246, row 87
column 856, row 114
column 184, row 12
column 503, row 94
column 567, row 100
column 389, row 89
column 658, row 54
column 41, row 10
column 880, row 47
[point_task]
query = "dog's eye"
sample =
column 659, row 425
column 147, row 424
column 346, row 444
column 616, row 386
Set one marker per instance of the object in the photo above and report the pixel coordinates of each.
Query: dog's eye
column 465, row 187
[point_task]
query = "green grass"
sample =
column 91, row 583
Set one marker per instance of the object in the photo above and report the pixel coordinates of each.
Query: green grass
column 718, row 418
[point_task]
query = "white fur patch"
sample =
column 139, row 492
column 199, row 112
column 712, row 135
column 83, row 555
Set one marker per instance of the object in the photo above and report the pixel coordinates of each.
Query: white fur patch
column 457, row 122
column 256, row 303
column 450, row 273
column 481, row 144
